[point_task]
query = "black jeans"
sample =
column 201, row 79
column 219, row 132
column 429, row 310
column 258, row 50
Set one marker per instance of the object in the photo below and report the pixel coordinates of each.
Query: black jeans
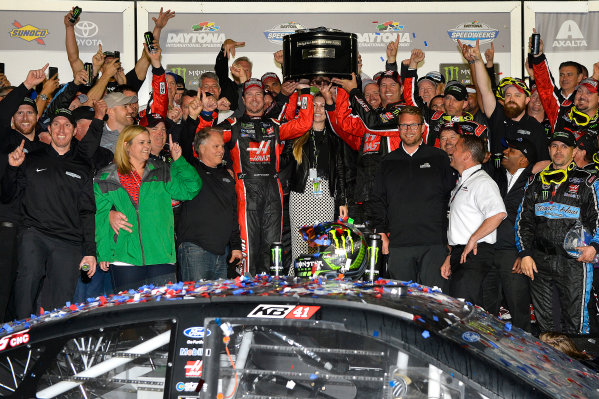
column 133, row 277
column 467, row 278
column 47, row 273
column 513, row 288
column 8, row 267
column 420, row 264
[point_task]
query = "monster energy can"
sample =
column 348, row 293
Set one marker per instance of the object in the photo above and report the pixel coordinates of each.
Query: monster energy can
column 375, row 246
column 276, row 258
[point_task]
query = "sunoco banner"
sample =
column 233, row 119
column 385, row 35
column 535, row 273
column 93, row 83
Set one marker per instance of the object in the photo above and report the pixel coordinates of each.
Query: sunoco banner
column 44, row 30
column 192, row 33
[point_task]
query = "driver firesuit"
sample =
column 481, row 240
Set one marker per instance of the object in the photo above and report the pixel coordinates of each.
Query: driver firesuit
column 553, row 202
column 255, row 147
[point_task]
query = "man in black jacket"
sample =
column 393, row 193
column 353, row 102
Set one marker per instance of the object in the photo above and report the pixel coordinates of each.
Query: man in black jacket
column 410, row 197
column 208, row 225
column 504, row 276
column 55, row 188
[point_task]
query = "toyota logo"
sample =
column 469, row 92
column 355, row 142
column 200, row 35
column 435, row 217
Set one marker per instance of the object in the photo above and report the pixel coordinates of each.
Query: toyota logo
column 86, row 29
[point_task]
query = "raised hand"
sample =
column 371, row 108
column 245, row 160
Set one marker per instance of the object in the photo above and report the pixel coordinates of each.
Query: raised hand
column 163, row 18
column 174, row 147
column 17, row 157
column 288, row 87
column 490, row 55
column 347, row 84
column 278, row 55
column 67, row 19
column 35, row 77
column 230, row 45
column 392, row 50
column 534, row 30
column 416, row 57
column 100, row 109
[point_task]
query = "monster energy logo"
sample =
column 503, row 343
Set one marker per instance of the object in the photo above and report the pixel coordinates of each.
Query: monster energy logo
column 545, row 195
column 451, row 73
column 373, row 259
column 349, row 238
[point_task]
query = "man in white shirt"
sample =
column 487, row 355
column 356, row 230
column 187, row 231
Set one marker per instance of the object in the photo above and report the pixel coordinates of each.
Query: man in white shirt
column 475, row 211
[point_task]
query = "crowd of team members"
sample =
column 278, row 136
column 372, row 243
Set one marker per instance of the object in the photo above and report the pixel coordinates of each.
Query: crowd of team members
column 209, row 179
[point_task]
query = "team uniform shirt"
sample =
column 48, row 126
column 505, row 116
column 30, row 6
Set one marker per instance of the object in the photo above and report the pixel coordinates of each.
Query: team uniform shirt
column 475, row 198
column 559, row 111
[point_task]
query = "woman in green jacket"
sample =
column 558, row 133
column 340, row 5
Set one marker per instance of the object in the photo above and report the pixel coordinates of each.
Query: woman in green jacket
column 142, row 190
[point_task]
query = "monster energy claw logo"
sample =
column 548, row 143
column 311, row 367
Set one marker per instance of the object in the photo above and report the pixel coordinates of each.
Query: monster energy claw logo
column 545, row 195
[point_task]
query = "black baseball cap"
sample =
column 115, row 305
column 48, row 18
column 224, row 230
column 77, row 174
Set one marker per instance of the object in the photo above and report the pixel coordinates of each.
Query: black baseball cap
column 587, row 142
column 390, row 75
column 565, row 137
column 83, row 112
column 525, row 146
column 433, row 76
column 65, row 113
column 154, row 119
column 457, row 90
column 29, row 101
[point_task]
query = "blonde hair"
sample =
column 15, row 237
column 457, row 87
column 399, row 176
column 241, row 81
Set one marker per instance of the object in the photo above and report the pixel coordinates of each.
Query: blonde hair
column 563, row 344
column 121, row 157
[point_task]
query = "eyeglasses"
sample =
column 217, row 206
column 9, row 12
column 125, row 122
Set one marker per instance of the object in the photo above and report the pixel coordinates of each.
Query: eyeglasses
column 411, row 126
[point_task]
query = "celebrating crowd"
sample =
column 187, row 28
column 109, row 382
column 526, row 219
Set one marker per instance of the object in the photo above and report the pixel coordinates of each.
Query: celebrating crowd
column 476, row 189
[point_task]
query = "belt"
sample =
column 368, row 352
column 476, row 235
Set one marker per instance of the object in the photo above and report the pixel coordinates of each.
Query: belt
column 257, row 175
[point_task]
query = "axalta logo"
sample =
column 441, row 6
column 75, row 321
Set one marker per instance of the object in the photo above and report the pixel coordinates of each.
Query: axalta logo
column 205, row 27
column 196, row 332
column 28, row 33
column 259, row 152
column 470, row 32
column 385, row 32
column 14, row 340
column 276, row 33
column 193, row 368
column 204, row 35
column 569, row 35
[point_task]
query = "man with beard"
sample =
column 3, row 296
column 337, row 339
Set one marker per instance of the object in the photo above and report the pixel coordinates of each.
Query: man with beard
column 567, row 115
column 409, row 204
column 510, row 120
column 254, row 141
column 21, row 110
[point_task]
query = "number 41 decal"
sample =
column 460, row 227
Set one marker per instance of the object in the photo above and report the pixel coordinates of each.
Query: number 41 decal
column 302, row 312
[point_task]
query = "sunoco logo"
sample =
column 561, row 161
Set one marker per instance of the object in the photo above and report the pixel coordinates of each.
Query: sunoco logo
column 204, row 35
column 569, row 35
column 275, row 35
column 205, row 27
column 385, row 32
column 196, row 332
column 468, row 33
column 28, row 33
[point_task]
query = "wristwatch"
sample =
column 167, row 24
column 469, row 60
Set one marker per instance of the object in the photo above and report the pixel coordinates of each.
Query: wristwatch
column 43, row 97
